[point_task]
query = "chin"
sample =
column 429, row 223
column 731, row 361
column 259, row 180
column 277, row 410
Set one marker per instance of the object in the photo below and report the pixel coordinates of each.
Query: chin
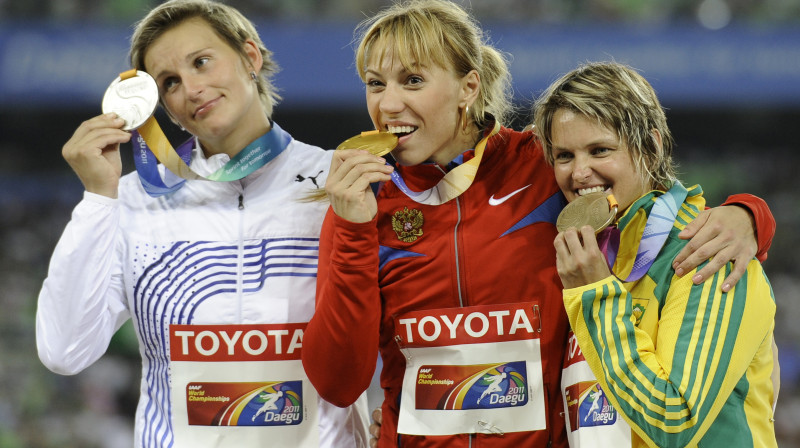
column 405, row 159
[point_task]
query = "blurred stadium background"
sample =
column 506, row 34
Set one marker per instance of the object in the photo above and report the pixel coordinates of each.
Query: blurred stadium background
column 727, row 70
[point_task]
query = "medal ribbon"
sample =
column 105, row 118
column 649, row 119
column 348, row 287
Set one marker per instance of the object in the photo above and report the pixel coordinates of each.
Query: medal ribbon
column 453, row 183
column 659, row 224
column 151, row 142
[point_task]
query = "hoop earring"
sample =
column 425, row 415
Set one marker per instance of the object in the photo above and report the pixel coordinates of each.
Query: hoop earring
column 465, row 118
column 253, row 76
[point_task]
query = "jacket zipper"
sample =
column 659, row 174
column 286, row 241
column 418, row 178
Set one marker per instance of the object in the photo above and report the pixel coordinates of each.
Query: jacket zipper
column 455, row 244
column 240, row 260
column 458, row 264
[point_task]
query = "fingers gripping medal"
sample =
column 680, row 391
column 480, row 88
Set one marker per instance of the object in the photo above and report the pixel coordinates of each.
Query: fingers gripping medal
column 376, row 142
column 133, row 96
column 594, row 209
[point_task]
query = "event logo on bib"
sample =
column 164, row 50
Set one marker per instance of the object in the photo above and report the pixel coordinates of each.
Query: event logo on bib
column 245, row 404
column 588, row 406
column 484, row 386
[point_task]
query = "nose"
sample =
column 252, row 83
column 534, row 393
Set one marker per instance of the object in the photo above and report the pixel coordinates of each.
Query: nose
column 192, row 85
column 581, row 169
column 391, row 100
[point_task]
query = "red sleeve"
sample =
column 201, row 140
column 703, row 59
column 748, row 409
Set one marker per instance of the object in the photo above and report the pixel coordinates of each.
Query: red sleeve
column 340, row 345
column 765, row 222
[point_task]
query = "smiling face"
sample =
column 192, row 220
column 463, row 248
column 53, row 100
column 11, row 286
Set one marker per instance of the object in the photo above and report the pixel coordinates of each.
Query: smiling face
column 206, row 87
column 589, row 157
column 422, row 106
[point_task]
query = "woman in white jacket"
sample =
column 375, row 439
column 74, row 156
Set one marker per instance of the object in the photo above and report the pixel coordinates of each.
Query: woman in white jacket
column 218, row 277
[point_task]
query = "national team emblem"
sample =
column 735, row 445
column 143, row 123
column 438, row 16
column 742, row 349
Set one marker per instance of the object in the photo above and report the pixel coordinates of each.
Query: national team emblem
column 638, row 309
column 407, row 224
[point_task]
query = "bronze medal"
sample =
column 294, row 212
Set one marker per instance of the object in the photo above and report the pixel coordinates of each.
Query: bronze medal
column 376, row 142
column 594, row 209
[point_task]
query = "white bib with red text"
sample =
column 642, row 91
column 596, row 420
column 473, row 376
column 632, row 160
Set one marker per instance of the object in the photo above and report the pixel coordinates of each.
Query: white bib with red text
column 471, row 370
column 592, row 422
column 241, row 385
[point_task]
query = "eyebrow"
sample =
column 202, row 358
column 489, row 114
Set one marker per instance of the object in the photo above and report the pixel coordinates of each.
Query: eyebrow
column 415, row 66
column 605, row 143
column 189, row 57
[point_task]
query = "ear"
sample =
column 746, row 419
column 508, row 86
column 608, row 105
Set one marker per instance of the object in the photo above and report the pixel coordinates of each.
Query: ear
column 657, row 138
column 254, row 58
column 470, row 87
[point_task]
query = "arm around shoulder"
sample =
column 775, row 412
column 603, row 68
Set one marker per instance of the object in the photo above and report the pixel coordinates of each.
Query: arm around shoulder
column 763, row 220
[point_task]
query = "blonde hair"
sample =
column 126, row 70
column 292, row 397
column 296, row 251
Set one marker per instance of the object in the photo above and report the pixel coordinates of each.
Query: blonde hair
column 229, row 24
column 621, row 99
column 442, row 33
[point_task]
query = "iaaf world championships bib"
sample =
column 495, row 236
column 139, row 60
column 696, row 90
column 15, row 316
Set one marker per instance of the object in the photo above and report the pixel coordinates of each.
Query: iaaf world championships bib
column 241, row 385
column 471, row 370
column 592, row 422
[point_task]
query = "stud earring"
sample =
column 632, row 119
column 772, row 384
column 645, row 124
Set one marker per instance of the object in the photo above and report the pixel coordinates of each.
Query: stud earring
column 253, row 75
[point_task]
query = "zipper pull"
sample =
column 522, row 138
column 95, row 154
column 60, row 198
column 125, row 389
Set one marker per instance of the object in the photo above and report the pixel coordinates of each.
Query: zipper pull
column 241, row 201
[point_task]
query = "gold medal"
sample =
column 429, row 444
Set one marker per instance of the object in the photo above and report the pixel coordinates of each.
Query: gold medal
column 594, row 209
column 376, row 142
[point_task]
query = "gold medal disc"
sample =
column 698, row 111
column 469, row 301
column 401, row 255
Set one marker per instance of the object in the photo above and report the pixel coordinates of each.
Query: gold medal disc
column 595, row 209
column 376, row 142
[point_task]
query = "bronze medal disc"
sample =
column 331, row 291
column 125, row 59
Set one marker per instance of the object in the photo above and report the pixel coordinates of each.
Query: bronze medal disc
column 378, row 143
column 593, row 209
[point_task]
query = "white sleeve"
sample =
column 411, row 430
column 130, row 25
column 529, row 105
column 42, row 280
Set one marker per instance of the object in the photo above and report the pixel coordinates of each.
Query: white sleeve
column 82, row 301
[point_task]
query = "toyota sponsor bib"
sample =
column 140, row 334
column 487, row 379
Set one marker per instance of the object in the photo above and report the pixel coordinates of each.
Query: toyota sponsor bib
column 241, row 385
column 471, row 370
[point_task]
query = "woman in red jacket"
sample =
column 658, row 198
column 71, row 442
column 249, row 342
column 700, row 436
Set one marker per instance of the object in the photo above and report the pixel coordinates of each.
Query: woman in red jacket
column 450, row 270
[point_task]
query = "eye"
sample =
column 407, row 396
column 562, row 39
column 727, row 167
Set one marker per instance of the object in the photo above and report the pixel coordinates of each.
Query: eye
column 169, row 83
column 201, row 61
column 414, row 80
column 373, row 84
column 562, row 156
column 600, row 151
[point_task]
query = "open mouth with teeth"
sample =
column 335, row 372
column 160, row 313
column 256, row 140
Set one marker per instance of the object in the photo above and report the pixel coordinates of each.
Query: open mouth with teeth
column 597, row 189
column 401, row 131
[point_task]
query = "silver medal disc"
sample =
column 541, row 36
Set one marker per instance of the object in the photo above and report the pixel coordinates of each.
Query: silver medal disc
column 133, row 99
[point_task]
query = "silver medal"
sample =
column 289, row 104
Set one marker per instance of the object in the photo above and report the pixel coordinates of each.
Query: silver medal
column 133, row 99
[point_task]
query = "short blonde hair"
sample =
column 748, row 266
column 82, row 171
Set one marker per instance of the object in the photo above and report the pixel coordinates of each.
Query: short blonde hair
column 619, row 98
column 229, row 24
column 442, row 33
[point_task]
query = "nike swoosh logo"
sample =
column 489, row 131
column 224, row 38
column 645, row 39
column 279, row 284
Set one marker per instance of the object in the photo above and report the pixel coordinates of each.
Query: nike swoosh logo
column 498, row 201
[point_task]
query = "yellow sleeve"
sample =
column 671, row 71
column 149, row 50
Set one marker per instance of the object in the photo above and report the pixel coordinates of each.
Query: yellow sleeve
column 670, row 386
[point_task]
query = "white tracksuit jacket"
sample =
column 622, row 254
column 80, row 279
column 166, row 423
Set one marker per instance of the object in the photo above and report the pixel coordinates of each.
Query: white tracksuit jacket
column 241, row 252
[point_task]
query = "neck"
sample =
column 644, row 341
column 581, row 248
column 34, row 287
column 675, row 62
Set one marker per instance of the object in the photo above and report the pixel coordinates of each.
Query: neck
column 233, row 143
column 464, row 139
